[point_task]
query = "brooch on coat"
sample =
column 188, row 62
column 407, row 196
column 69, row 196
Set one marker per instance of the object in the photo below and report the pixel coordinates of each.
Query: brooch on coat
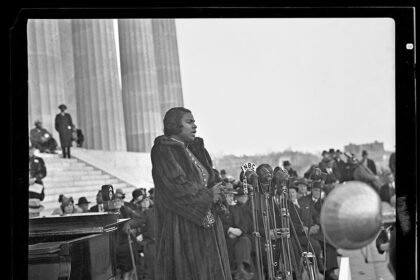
column 208, row 220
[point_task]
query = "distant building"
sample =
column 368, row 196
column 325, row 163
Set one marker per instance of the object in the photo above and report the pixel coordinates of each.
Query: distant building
column 376, row 150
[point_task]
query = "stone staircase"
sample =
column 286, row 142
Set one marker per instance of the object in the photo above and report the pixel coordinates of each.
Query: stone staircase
column 73, row 177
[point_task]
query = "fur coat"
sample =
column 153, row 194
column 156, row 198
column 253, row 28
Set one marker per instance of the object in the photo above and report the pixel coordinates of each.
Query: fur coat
column 184, row 248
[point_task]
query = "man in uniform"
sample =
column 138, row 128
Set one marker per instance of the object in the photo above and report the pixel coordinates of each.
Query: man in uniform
column 64, row 127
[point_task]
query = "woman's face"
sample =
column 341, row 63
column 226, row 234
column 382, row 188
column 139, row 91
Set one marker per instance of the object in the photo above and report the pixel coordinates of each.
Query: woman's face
column 188, row 128
column 69, row 208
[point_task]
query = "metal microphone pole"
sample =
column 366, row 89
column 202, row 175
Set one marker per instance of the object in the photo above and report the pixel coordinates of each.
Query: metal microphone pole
column 256, row 233
column 284, row 232
column 268, row 244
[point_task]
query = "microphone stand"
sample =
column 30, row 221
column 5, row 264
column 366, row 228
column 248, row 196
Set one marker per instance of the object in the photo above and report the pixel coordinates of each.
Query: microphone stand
column 268, row 244
column 308, row 258
column 284, row 233
column 255, row 233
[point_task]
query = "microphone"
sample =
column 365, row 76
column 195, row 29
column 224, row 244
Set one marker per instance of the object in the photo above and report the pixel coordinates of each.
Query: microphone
column 281, row 178
column 251, row 178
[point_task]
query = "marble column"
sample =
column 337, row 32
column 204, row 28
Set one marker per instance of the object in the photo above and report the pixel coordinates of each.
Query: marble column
column 140, row 90
column 167, row 64
column 98, row 93
column 46, row 79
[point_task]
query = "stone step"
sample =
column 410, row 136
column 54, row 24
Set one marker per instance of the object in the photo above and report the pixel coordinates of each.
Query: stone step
column 65, row 165
column 77, row 183
column 77, row 191
column 70, row 168
column 65, row 177
column 80, row 173
column 57, row 160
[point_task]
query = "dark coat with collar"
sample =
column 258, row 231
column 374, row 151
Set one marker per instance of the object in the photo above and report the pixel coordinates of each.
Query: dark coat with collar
column 64, row 127
column 386, row 192
column 184, row 248
column 38, row 171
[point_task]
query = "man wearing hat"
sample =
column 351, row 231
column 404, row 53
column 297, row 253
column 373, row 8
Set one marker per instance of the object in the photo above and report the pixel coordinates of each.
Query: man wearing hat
column 302, row 187
column 340, row 166
column 83, row 204
column 368, row 162
column 137, row 196
column 288, row 167
column 42, row 139
column 310, row 216
column 119, row 194
column 35, row 207
column 238, row 228
column 64, row 127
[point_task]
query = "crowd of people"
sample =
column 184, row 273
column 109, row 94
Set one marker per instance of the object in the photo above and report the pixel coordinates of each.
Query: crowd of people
column 42, row 140
column 198, row 209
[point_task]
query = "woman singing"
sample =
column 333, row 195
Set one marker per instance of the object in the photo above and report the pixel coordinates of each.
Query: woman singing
column 190, row 242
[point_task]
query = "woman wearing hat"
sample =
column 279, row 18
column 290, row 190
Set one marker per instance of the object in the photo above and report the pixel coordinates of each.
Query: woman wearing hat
column 64, row 127
column 66, row 206
column 190, row 242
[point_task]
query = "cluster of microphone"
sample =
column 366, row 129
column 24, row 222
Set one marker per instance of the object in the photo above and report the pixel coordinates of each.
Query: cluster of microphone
column 265, row 179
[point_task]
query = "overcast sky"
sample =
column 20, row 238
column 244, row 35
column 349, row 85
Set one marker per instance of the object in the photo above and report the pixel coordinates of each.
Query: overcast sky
column 266, row 85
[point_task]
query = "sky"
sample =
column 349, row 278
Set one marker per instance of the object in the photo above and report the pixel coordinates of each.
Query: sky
column 267, row 85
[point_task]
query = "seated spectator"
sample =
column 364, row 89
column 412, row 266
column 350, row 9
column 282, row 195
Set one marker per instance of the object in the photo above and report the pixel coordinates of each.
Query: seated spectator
column 148, row 237
column 66, row 206
column 310, row 230
column 35, row 207
column 387, row 190
column 80, row 137
column 392, row 163
column 37, row 172
column 125, row 235
column 42, row 139
column 99, row 207
column 237, row 225
column 369, row 163
column 151, row 195
column 325, row 159
column 364, row 174
column 83, row 204
column 302, row 187
column 287, row 165
column 328, row 169
column 137, row 196
column 339, row 166
column 119, row 193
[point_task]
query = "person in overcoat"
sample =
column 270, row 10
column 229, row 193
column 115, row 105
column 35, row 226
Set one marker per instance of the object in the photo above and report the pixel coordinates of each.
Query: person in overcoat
column 309, row 214
column 37, row 172
column 387, row 190
column 42, row 139
column 64, row 127
column 190, row 242
column 237, row 224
